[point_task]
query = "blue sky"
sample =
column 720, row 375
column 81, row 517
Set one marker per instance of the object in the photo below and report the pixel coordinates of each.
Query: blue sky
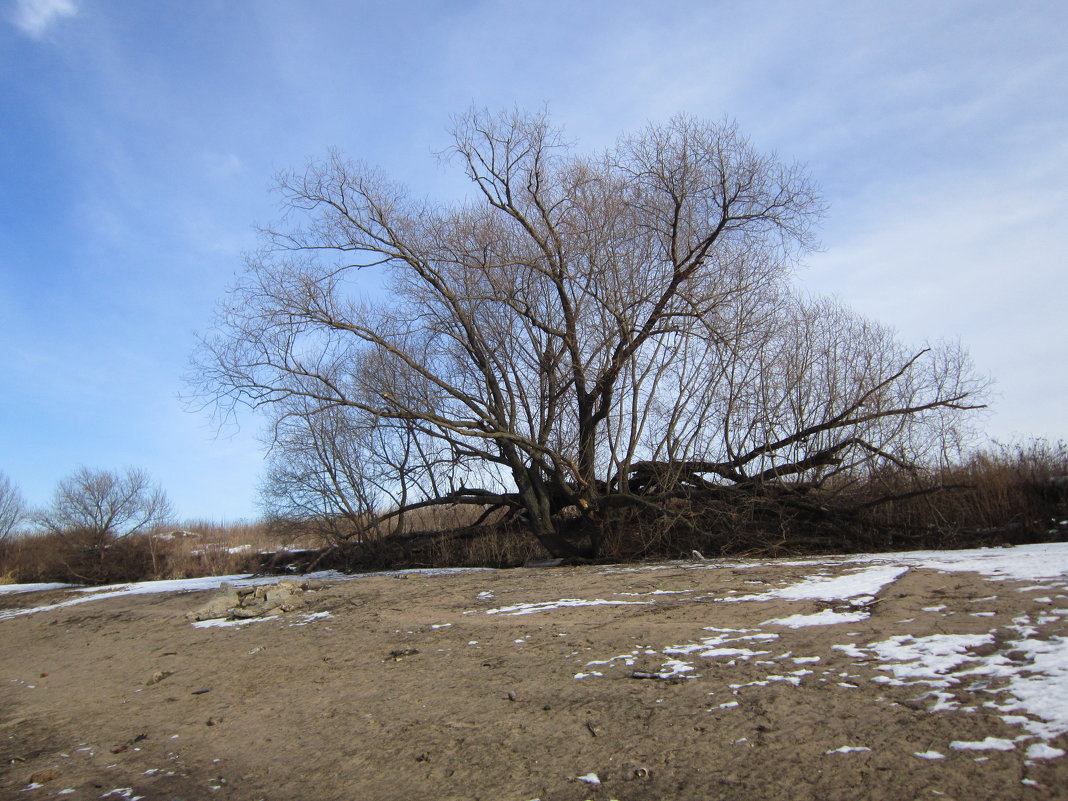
column 138, row 145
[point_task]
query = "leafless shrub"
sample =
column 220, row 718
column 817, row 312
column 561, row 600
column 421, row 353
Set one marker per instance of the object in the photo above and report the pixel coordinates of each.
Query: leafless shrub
column 195, row 548
column 1002, row 494
column 105, row 504
column 12, row 507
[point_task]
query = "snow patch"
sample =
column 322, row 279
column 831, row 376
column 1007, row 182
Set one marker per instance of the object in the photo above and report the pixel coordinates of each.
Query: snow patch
column 827, row 617
column 545, row 606
column 1043, row 751
column 224, row 623
column 39, row 587
column 989, row 744
column 864, row 582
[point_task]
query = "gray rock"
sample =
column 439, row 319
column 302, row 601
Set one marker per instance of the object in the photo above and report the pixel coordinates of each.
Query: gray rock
column 242, row 603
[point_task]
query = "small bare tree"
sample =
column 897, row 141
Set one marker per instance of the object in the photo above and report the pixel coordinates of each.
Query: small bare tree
column 12, row 507
column 588, row 333
column 102, row 504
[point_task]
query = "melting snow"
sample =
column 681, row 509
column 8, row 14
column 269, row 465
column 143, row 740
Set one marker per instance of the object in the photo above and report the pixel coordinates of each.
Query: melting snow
column 545, row 606
column 12, row 588
column 989, row 744
column 223, row 623
column 308, row 617
column 1021, row 563
column 865, row 582
column 825, row 618
column 712, row 647
column 926, row 659
column 1043, row 751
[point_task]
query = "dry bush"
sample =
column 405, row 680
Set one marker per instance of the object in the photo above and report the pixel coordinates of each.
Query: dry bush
column 210, row 548
column 494, row 546
column 472, row 546
column 197, row 548
column 76, row 557
column 1006, row 494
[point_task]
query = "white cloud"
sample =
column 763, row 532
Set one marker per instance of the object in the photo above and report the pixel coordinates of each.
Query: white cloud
column 974, row 253
column 35, row 17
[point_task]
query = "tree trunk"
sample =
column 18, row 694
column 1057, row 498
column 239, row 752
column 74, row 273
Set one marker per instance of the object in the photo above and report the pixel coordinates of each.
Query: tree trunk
column 537, row 503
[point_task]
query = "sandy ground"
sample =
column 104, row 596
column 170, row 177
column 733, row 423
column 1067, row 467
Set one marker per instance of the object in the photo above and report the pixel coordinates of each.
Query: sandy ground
column 437, row 687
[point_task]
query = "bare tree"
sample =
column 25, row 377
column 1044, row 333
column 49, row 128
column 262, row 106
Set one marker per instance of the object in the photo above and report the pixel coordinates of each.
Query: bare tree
column 101, row 504
column 588, row 332
column 12, row 507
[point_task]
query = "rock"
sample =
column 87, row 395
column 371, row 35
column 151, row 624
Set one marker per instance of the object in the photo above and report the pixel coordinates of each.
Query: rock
column 243, row 603
column 635, row 770
column 159, row 676
column 217, row 607
column 286, row 597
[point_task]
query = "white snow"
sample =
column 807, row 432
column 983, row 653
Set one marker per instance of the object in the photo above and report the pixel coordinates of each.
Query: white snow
column 847, row 749
column 929, row 754
column 13, row 588
column 713, row 647
column 87, row 594
column 926, row 659
column 989, row 744
column 827, row 617
column 590, row 778
column 1020, row 563
column 545, row 606
column 123, row 792
column 223, row 623
column 307, row 617
column 850, row 650
column 1043, row 751
column 865, row 582
column 675, row 667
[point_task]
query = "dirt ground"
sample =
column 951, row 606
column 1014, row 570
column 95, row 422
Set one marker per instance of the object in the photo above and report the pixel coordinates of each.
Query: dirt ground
column 413, row 687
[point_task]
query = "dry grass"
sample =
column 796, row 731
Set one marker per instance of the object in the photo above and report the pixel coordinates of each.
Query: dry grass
column 1006, row 495
column 194, row 548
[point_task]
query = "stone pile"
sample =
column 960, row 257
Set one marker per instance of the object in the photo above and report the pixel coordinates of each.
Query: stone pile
column 265, row 600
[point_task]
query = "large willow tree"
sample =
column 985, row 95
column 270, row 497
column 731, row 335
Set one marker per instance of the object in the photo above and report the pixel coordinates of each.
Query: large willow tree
column 587, row 332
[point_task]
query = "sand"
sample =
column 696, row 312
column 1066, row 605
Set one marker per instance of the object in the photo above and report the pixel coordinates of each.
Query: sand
column 479, row 685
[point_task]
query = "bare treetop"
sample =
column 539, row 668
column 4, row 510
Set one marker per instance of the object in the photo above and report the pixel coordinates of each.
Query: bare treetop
column 105, row 504
column 12, row 507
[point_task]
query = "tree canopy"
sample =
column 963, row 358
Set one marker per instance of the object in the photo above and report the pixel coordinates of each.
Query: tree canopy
column 585, row 333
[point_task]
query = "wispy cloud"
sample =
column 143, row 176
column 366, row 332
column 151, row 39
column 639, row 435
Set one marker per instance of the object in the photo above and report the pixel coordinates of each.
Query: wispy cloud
column 35, row 17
